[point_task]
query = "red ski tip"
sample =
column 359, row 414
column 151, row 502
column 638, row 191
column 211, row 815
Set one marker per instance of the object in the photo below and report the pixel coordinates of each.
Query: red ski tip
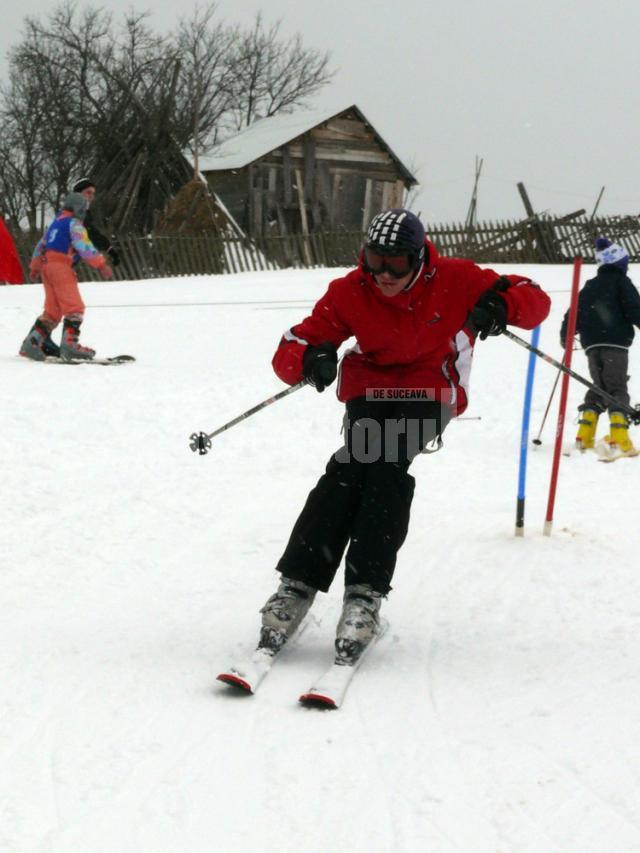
column 317, row 699
column 235, row 681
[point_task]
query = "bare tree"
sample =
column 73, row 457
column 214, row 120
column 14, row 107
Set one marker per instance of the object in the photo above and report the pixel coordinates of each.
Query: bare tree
column 206, row 90
column 122, row 104
column 23, row 183
column 53, row 98
column 272, row 74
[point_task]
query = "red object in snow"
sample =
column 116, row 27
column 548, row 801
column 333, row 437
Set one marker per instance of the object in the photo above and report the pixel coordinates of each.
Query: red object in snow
column 10, row 266
column 564, row 390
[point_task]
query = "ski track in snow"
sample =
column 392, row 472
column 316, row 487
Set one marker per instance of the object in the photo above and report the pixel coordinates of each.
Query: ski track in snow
column 499, row 712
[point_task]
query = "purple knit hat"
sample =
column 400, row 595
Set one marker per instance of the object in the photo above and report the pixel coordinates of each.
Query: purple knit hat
column 611, row 254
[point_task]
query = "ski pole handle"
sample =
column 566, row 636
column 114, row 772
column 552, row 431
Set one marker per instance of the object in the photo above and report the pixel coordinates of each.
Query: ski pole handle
column 200, row 442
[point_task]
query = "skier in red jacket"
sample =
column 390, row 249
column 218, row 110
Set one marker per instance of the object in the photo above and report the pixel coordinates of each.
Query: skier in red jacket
column 415, row 317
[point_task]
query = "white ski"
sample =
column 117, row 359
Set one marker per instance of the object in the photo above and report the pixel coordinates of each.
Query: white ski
column 606, row 453
column 330, row 689
column 249, row 673
column 116, row 359
column 617, row 456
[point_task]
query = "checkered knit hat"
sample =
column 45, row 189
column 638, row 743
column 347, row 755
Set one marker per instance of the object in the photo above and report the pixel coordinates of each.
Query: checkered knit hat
column 397, row 232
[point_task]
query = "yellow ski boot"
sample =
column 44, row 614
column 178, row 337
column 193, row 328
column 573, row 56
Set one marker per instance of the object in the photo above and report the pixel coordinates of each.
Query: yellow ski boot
column 585, row 439
column 618, row 442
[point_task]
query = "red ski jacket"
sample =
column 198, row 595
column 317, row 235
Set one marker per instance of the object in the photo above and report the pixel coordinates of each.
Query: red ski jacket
column 414, row 341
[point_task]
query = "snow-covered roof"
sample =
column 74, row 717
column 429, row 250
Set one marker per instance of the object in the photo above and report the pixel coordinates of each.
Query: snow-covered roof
column 269, row 133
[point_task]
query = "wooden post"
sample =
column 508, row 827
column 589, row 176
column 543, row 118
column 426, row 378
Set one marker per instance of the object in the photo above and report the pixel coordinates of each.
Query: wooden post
column 368, row 203
column 286, row 176
column 303, row 217
column 546, row 249
column 596, row 206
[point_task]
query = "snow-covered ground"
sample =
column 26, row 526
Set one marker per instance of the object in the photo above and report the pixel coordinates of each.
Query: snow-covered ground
column 499, row 714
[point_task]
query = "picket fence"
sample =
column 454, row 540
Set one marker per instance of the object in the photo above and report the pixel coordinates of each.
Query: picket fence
column 538, row 239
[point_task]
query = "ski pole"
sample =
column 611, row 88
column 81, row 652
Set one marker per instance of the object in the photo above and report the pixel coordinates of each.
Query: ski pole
column 200, row 442
column 524, row 436
column 546, row 411
column 631, row 412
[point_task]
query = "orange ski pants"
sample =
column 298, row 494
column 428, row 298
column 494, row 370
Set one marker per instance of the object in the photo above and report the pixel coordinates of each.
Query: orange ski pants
column 61, row 291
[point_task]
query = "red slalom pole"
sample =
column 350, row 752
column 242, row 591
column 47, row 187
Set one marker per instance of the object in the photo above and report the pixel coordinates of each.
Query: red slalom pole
column 564, row 392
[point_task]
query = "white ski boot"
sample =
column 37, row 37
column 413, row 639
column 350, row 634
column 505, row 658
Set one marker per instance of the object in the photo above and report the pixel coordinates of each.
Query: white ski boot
column 283, row 613
column 359, row 622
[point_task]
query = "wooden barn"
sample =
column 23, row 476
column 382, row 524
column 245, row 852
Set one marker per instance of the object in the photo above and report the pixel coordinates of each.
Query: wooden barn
column 305, row 172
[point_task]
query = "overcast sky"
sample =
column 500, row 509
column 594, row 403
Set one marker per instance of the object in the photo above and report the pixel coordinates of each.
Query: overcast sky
column 547, row 93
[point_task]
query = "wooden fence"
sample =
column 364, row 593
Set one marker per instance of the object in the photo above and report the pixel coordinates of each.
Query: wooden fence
column 159, row 257
column 538, row 239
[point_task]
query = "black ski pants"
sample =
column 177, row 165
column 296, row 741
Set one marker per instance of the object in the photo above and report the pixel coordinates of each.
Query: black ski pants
column 363, row 500
column 608, row 367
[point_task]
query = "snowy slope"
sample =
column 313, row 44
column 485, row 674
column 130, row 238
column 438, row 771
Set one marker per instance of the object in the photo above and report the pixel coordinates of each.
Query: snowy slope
column 500, row 713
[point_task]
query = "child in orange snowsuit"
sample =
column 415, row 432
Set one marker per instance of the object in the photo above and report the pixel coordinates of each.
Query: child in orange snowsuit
column 64, row 240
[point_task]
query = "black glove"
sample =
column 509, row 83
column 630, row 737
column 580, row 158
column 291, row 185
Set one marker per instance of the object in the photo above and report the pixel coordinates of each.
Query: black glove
column 489, row 315
column 320, row 365
column 114, row 257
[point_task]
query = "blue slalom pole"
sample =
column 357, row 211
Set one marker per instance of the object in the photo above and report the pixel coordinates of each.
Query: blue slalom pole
column 524, row 438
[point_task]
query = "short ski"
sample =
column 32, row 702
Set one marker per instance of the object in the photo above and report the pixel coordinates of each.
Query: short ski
column 248, row 673
column 617, row 456
column 606, row 453
column 330, row 689
column 115, row 359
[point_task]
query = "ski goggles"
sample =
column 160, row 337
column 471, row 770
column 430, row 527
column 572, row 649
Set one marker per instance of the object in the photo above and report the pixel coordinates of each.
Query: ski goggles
column 396, row 265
